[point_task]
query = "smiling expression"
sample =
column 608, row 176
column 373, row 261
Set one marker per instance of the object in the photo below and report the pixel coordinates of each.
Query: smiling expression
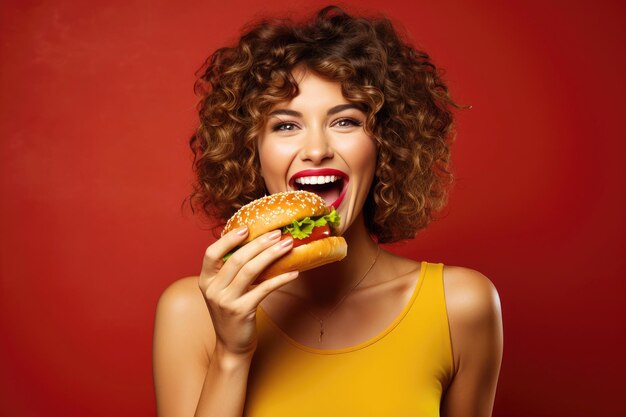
column 317, row 142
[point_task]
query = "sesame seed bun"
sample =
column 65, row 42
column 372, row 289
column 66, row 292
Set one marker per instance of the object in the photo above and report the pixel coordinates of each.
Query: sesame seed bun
column 277, row 210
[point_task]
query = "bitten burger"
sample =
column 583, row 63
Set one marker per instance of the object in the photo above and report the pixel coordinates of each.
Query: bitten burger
column 300, row 214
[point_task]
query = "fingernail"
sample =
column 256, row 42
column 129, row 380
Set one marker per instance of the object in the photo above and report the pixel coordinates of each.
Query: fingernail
column 242, row 231
column 274, row 235
column 286, row 243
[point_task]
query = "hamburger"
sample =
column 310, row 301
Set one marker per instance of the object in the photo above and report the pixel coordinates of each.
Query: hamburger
column 300, row 214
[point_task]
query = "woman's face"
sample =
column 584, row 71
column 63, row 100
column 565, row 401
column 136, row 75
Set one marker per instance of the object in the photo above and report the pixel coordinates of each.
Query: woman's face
column 316, row 142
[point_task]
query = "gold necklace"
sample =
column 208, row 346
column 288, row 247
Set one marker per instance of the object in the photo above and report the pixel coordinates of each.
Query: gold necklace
column 332, row 310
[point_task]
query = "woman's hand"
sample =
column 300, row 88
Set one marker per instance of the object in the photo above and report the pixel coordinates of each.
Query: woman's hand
column 226, row 286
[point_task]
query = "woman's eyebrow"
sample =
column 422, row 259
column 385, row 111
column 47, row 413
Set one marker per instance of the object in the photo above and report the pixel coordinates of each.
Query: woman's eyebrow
column 343, row 107
column 330, row 112
column 285, row 112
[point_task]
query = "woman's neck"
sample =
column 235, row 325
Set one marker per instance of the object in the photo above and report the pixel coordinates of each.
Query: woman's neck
column 329, row 283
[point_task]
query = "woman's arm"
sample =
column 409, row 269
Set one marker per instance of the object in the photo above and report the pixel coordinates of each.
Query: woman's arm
column 205, row 329
column 183, row 363
column 475, row 319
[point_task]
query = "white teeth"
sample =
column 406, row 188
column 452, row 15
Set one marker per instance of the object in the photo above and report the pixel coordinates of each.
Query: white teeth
column 316, row 179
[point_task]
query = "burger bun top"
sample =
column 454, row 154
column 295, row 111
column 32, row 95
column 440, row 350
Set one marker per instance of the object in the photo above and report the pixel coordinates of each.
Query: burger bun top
column 275, row 211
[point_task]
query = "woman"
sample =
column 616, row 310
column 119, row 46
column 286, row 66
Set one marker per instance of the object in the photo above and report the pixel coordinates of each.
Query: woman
column 374, row 334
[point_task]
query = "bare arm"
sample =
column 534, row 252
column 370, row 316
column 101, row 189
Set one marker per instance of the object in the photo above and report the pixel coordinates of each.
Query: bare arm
column 205, row 330
column 187, row 369
column 476, row 331
column 183, row 339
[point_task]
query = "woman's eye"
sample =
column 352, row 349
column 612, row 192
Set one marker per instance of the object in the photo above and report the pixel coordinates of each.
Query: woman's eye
column 347, row 123
column 284, row 127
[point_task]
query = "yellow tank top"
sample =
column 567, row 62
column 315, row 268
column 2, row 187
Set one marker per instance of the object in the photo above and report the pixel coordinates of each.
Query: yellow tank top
column 400, row 372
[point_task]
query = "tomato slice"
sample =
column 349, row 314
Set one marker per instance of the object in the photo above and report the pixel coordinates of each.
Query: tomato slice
column 319, row 232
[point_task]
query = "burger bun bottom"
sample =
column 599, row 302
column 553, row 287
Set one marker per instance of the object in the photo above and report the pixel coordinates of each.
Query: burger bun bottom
column 309, row 256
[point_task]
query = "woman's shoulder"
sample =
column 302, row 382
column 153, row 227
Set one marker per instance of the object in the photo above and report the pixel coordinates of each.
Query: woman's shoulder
column 470, row 295
column 182, row 314
column 474, row 312
column 182, row 296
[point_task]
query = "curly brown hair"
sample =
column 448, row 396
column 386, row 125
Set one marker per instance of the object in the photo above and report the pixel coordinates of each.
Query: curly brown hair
column 407, row 105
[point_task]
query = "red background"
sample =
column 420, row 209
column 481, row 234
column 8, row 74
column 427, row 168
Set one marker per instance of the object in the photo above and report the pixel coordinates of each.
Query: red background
column 96, row 107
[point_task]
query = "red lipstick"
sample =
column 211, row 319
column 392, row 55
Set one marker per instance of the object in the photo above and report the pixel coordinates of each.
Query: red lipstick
column 318, row 172
column 329, row 192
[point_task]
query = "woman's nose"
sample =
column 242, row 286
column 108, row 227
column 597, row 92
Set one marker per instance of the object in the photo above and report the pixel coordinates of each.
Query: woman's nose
column 316, row 147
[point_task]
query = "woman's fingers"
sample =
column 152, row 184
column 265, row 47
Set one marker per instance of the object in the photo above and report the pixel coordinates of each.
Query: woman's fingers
column 213, row 257
column 253, row 298
column 253, row 268
column 248, row 251
column 240, row 258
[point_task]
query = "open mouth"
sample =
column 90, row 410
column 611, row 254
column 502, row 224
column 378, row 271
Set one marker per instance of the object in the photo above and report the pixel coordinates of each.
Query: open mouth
column 331, row 185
